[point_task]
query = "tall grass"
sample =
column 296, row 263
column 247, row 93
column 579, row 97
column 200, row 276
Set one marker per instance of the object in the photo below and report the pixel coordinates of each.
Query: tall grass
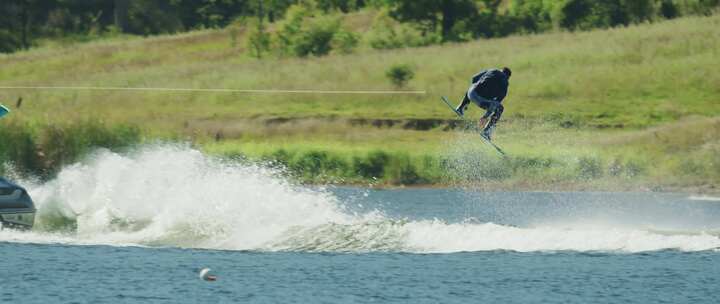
column 398, row 168
column 42, row 149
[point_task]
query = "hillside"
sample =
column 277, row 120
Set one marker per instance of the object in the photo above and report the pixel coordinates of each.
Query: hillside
column 594, row 94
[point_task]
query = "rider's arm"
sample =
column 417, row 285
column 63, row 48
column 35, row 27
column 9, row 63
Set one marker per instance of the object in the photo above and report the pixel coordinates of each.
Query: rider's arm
column 477, row 76
column 502, row 93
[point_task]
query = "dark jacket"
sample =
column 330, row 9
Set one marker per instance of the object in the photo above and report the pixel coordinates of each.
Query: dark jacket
column 491, row 84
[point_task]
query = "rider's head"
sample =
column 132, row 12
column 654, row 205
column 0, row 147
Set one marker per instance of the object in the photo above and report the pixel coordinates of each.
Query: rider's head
column 507, row 71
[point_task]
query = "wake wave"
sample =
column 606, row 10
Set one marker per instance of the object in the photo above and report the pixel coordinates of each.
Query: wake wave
column 176, row 196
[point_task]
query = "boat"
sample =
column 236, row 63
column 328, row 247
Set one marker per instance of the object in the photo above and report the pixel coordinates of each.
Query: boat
column 17, row 210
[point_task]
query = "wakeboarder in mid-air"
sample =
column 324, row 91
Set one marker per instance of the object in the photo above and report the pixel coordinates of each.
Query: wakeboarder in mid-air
column 487, row 90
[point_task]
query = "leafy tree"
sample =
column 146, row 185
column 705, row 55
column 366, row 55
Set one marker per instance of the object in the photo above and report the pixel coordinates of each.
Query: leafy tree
column 120, row 14
column 82, row 17
column 149, row 17
column 702, row 7
column 9, row 42
column 488, row 22
column 258, row 39
column 431, row 13
column 668, row 9
column 638, row 10
column 218, row 13
column 574, row 12
column 304, row 33
column 533, row 15
column 22, row 21
column 273, row 10
column 290, row 28
column 587, row 14
column 386, row 33
column 341, row 5
column 420, row 22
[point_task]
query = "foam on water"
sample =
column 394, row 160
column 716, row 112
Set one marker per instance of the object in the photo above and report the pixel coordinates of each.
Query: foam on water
column 176, row 196
column 704, row 198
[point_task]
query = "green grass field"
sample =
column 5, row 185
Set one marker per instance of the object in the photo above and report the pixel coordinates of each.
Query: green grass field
column 627, row 108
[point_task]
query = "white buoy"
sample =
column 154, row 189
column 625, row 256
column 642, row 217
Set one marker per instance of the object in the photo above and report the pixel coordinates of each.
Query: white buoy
column 205, row 275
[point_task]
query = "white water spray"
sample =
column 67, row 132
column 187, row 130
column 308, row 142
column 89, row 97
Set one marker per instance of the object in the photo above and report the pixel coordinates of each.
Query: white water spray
column 176, row 196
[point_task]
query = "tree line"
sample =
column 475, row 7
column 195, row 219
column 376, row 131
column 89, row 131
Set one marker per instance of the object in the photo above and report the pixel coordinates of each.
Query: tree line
column 402, row 23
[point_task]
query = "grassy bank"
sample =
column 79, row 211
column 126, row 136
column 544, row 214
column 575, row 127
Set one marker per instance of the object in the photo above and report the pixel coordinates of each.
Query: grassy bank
column 631, row 107
column 676, row 156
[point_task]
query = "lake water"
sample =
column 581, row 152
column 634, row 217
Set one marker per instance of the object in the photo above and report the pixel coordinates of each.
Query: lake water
column 137, row 228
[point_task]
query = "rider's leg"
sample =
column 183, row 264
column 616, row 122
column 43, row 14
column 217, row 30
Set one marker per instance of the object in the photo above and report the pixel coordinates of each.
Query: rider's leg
column 490, row 127
column 499, row 108
column 482, row 122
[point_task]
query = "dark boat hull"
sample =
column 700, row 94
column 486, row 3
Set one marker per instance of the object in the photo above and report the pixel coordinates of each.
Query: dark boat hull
column 17, row 209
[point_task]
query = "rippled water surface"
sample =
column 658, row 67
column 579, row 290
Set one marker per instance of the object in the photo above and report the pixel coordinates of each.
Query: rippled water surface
column 95, row 274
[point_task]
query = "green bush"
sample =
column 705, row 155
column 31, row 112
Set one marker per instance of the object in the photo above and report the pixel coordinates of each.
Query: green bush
column 316, row 39
column 400, row 74
column 589, row 167
column 278, row 159
column 373, row 166
column 402, row 171
column 303, row 34
column 318, row 166
column 309, row 165
column 345, row 42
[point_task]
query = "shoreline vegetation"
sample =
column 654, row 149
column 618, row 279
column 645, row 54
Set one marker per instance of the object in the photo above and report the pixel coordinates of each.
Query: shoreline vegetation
column 631, row 108
column 41, row 151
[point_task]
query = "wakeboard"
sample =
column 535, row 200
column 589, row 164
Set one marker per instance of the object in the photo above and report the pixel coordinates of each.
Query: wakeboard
column 444, row 99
